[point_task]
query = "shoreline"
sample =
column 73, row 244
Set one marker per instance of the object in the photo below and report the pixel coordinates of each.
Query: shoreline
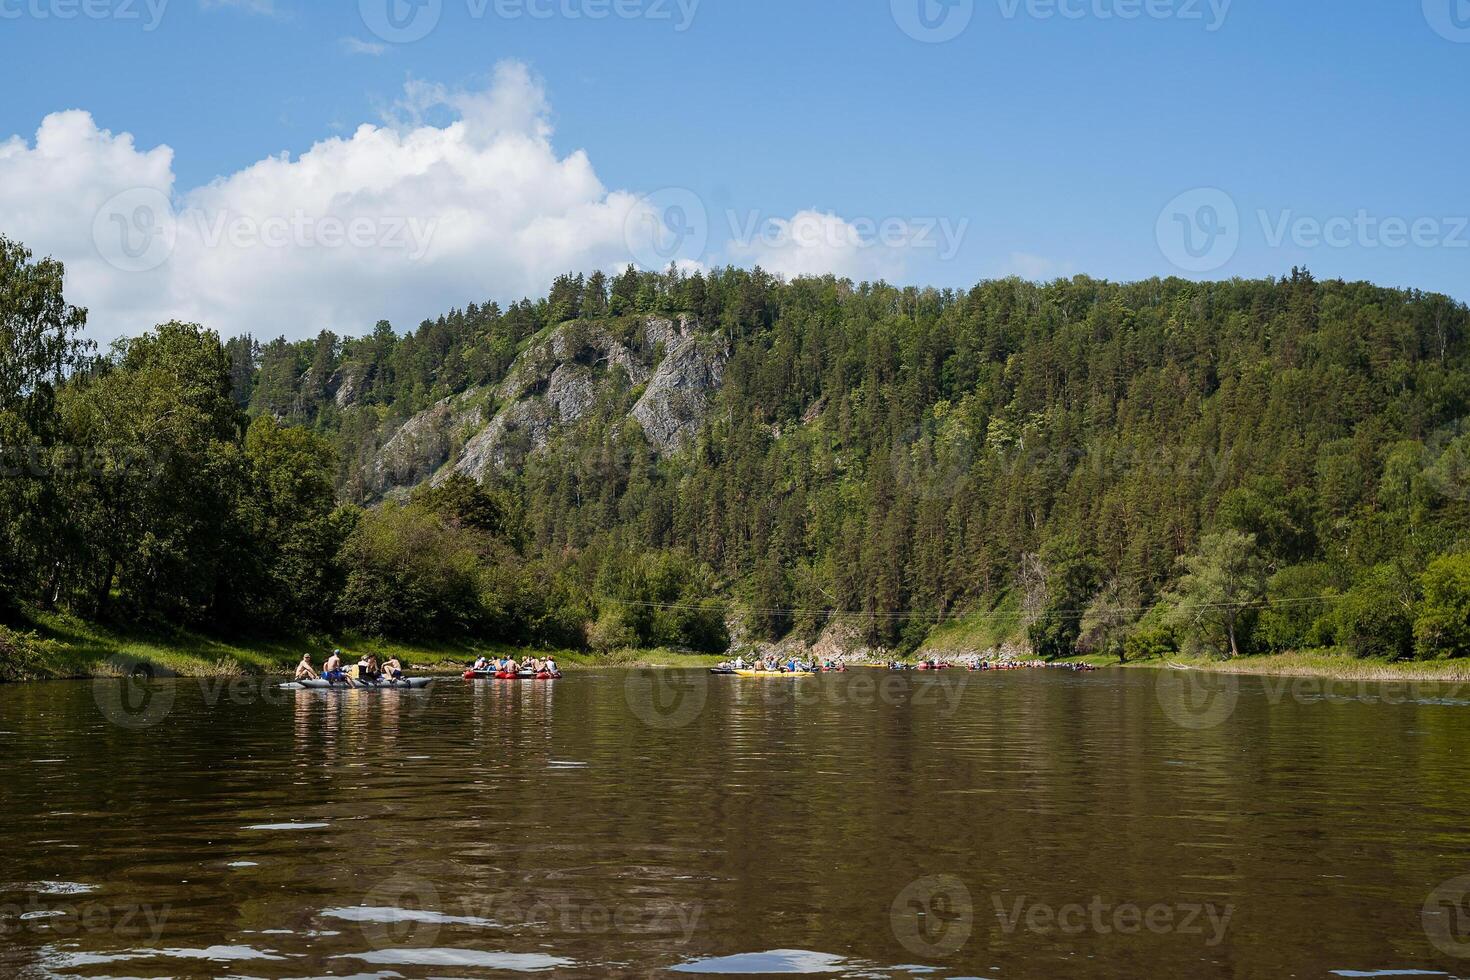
column 58, row 648
column 62, row 648
column 1310, row 663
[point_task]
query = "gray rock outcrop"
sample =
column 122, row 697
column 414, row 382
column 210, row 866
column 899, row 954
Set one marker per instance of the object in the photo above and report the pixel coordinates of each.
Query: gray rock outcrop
column 423, row 444
column 557, row 383
column 676, row 401
column 514, row 433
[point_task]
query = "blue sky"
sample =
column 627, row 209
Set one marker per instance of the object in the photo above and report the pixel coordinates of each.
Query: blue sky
column 1046, row 143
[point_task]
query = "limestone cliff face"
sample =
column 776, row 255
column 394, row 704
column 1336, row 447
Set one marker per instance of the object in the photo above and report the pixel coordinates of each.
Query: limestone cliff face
column 555, row 384
column 423, row 445
column 676, row 401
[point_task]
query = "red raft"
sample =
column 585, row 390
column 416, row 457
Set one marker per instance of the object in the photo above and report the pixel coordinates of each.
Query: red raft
column 502, row 675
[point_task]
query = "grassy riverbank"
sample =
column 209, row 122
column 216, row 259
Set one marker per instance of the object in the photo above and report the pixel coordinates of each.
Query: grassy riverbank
column 54, row 647
column 1307, row 663
column 51, row 647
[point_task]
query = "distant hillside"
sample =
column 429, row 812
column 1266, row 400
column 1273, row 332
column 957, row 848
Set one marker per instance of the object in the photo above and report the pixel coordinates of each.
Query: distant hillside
column 897, row 457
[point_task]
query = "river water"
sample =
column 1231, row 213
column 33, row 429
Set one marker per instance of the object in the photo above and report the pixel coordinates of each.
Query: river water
column 636, row 823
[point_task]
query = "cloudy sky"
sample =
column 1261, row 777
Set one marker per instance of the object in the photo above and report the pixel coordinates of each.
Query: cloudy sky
column 280, row 167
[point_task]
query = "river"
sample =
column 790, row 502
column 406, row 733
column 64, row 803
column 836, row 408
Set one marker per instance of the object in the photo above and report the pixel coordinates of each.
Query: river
column 1124, row 823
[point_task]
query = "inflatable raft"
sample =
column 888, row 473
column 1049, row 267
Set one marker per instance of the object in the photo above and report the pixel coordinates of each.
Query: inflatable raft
column 501, row 675
column 773, row 673
column 406, row 684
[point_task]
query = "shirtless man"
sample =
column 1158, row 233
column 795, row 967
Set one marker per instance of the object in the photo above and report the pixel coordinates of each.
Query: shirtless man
column 332, row 669
column 392, row 669
column 304, row 670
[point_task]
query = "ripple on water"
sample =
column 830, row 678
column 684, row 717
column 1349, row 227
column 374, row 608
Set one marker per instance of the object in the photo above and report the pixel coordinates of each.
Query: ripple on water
column 772, row 961
column 517, row 962
column 388, row 914
column 62, row 959
column 286, row 826
column 62, row 888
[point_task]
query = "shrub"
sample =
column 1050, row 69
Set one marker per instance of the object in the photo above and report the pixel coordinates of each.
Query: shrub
column 1373, row 618
column 408, row 575
column 1442, row 628
column 1293, row 619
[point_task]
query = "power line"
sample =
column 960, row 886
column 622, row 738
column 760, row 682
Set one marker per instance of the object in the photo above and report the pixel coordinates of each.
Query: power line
column 994, row 614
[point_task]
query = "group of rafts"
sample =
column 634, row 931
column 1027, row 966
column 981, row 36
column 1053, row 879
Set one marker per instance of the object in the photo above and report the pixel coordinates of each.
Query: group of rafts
column 796, row 667
column 509, row 669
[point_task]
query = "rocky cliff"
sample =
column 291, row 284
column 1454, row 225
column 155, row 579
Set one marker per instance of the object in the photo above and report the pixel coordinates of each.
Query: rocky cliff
column 558, row 381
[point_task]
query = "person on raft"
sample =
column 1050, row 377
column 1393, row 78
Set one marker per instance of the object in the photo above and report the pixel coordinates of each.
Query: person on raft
column 367, row 668
column 550, row 666
column 332, row 669
column 304, row 670
column 483, row 663
column 392, row 669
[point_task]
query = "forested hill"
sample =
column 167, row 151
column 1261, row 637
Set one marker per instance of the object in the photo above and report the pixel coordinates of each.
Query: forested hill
column 1241, row 465
column 900, row 453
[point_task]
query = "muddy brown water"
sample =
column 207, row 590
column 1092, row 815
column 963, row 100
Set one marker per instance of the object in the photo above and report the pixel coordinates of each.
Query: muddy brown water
column 638, row 823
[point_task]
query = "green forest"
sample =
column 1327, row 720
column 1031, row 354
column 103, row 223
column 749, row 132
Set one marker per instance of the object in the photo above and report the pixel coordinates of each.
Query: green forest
column 1130, row 470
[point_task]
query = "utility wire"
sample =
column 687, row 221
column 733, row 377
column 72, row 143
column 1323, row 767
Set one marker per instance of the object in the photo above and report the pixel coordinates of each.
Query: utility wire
column 994, row 614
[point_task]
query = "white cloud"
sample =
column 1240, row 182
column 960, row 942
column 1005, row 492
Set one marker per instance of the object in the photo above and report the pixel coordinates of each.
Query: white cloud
column 814, row 243
column 394, row 221
column 460, row 197
column 354, row 45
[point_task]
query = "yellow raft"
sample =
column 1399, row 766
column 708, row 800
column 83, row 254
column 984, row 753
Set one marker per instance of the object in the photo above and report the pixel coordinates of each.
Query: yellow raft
column 773, row 673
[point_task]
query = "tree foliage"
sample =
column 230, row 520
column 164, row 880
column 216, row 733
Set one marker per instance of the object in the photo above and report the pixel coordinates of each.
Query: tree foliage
column 1267, row 463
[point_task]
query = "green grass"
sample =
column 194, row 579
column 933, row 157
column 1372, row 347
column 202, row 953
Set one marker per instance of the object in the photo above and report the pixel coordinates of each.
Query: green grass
column 49, row 646
column 1328, row 662
column 976, row 632
column 641, row 658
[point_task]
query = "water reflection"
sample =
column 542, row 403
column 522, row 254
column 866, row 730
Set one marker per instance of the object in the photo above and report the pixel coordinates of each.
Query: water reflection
column 1009, row 825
